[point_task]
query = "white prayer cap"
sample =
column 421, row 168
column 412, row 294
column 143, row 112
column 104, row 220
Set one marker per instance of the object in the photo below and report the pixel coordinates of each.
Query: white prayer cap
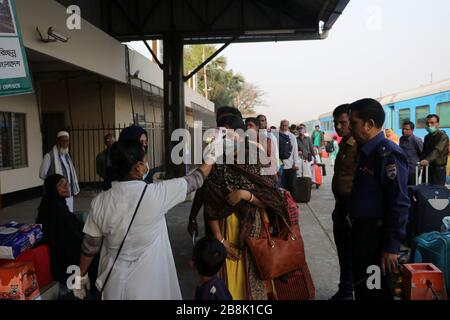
column 62, row 134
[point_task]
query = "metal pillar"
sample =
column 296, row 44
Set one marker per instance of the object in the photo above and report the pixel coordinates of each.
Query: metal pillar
column 174, row 109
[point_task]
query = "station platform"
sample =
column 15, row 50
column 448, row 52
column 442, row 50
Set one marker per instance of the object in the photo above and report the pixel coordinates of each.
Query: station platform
column 315, row 223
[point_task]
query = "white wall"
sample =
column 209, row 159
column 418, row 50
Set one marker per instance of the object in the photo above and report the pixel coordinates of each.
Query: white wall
column 151, row 73
column 25, row 178
column 88, row 48
column 193, row 96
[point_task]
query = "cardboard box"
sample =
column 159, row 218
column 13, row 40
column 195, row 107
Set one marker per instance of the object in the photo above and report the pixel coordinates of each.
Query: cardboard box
column 16, row 238
column 18, row 281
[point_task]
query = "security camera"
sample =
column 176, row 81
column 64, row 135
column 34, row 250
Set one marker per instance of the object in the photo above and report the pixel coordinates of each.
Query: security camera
column 56, row 35
column 136, row 74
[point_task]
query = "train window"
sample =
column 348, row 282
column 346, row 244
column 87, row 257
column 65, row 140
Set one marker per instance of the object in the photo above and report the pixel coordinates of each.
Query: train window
column 443, row 111
column 421, row 116
column 403, row 116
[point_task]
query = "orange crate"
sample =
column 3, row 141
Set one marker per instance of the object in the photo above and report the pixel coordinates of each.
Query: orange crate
column 416, row 280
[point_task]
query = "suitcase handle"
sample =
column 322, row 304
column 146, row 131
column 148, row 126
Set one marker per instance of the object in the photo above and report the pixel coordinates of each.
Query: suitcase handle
column 417, row 174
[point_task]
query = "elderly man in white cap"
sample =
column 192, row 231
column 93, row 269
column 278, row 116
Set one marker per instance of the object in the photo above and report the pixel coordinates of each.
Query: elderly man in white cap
column 58, row 161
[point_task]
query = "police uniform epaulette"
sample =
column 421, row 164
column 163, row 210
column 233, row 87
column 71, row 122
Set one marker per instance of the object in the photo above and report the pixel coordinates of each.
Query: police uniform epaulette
column 384, row 150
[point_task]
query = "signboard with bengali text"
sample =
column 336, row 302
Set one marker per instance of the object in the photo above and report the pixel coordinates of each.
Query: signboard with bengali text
column 14, row 73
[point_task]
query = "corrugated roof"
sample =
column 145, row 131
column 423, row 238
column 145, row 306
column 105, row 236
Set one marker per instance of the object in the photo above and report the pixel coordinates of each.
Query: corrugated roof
column 203, row 21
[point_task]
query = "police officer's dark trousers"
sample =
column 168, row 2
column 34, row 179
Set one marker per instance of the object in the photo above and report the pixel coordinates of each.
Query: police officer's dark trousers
column 367, row 244
column 342, row 239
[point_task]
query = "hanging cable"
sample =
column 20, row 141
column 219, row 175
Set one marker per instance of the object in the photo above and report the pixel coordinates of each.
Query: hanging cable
column 69, row 102
column 100, row 87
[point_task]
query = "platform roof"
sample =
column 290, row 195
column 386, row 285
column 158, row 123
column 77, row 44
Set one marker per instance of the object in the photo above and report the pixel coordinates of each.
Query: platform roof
column 213, row 21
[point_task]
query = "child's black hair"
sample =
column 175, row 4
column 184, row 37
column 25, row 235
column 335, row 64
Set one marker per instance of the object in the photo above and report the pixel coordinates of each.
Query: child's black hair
column 209, row 256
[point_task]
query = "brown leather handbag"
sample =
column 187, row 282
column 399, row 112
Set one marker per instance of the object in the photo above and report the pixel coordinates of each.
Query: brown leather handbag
column 277, row 256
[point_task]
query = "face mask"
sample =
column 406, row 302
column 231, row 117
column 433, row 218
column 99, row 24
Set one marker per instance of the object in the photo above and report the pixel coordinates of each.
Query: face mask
column 431, row 129
column 148, row 171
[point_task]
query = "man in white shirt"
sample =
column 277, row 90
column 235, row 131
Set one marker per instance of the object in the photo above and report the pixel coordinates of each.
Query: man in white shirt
column 58, row 161
column 288, row 151
column 274, row 142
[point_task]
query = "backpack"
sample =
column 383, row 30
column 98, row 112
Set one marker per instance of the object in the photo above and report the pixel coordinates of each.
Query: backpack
column 285, row 146
column 329, row 147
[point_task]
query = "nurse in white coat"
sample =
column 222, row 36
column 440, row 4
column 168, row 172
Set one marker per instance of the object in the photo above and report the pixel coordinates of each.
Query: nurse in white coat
column 145, row 268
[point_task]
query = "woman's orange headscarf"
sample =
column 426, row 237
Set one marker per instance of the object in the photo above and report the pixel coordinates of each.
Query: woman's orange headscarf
column 389, row 134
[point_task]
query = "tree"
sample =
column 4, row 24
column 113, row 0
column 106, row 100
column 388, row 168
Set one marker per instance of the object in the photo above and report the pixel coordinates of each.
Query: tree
column 222, row 86
column 248, row 98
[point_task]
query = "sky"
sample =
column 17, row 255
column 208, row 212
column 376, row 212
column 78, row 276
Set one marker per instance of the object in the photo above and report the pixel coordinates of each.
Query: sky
column 377, row 47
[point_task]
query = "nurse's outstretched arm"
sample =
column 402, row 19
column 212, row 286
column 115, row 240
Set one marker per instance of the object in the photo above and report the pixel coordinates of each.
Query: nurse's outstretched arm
column 196, row 179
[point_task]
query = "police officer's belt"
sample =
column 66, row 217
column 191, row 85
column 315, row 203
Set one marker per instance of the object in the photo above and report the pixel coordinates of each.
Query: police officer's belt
column 365, row 222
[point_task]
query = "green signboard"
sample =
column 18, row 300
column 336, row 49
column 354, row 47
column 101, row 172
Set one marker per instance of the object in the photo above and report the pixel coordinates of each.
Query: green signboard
column 14, row 73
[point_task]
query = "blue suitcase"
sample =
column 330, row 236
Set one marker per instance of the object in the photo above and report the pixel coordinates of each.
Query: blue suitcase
column 433, row 247
column 429, row 205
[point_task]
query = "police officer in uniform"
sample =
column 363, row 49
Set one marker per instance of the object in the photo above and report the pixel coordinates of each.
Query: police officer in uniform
column 379, row 203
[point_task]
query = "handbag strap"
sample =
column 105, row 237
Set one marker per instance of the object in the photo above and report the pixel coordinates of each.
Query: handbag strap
column 266, row 228
column 124, row 238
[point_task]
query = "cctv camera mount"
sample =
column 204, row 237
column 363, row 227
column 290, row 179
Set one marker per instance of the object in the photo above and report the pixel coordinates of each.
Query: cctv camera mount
column 52, row 36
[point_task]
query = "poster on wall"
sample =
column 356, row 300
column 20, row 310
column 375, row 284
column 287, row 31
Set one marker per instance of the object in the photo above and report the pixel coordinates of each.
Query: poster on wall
column 14, row 73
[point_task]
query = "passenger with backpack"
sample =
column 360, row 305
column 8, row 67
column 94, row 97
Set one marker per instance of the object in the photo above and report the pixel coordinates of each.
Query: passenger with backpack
column 287, row 147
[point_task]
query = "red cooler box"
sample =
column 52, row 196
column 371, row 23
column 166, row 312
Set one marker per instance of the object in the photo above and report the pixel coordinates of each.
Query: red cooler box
column 40, row 257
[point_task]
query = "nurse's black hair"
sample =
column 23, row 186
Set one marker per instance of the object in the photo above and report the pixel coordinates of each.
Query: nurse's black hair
column 209, row 256
column 369, row 109
column 124, row 155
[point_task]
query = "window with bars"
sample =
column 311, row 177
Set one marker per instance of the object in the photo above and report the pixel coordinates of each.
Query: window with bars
column 403, row 116
column 443, row 111
column 421, row 116
column 13, row 141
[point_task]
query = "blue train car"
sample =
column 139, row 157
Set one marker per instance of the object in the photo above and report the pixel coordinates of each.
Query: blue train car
column 327, row 124
column 310, row 125
column 414, row 105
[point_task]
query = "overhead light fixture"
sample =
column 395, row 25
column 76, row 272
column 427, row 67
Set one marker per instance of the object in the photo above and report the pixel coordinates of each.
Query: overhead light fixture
column 52, row 36
column 321, row 26
column 267, row 32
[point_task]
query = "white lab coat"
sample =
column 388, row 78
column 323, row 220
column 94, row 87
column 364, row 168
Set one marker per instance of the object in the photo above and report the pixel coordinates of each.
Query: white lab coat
column 145, row 269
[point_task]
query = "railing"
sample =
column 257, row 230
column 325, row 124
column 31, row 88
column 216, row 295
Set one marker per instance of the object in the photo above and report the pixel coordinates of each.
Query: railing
column 86, row 142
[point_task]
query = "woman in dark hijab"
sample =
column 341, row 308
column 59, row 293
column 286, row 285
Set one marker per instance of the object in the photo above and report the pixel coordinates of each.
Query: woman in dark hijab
column 134, row 133
column 63, row 232
column 131, row 133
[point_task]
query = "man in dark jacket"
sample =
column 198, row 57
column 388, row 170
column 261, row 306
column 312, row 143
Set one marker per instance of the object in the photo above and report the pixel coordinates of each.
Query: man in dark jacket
column 435, row 151
column 412, row 146
column 103, row 162
column 305, row 146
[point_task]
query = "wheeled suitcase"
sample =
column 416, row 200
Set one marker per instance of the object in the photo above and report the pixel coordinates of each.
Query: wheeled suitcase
column 429, row 205
column 433, row 247
column 302, row 189
column 318, row 177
